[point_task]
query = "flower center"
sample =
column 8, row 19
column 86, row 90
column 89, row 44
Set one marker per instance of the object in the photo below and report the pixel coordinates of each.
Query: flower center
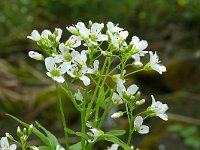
column 55, row 72
column 68, row 57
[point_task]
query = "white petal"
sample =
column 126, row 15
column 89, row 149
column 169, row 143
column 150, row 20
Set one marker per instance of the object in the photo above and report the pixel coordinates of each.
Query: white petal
column 34, row 35
column 64, row 67
column 134, row 40
column 132, row 89
column 124, row 34
column 4, row 142
column 163, row 116
column 114, row 147
column 96, row 65
column 85, row 79
column 46, row 33
column 144, row 129
column 95, row 132
column 96, row 27
column 142, row 45
column 138, row 121
column 13, row 147
column 76, row 41
column 59, row 79
column 50, row 63
column 102, row 37
column 59, row 34
column 153, row 99
column 59, row 58
column 63, row 48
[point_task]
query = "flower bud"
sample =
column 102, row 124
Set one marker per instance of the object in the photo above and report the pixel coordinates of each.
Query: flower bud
column 9, row 136
column 142, row 101
column 30, row 129
column 35, row 55
column 117, row 114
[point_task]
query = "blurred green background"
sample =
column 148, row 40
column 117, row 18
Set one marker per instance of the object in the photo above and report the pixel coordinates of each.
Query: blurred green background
column 171, row 27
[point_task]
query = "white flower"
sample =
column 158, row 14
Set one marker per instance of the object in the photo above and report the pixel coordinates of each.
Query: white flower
column 35, row 36
column 65, row 55
column 117, row 114
column 35, row 55
column 113, row 147
column 74, row 72
column 5, row 144
column 154, row 60
column 84, row 32
column 73, row 30
column 79, row 58
column 142, row 129
column 95, row 67
column 113, row 28
column 96, row 133
column 139, row 45
column 116, row 99
column 78, row 96
column 136, row 57
column 73, row 42
column 54, row 71
column 131, row 90
column 96, row 34
column 58, row 147
column 159, row 108
column 138, row 49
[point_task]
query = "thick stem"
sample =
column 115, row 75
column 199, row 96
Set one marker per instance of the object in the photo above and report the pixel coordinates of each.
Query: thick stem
column 62, row 116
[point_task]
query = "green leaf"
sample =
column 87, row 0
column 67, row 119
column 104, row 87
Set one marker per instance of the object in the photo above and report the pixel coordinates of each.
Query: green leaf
column 76, row 146
column 114, row 139
column 44, row 148
column 116, row 132
column 35, row 131
column 51, row 138
column 69, row 131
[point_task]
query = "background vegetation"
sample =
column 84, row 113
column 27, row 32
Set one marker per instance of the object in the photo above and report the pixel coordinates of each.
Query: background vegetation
column 172, row 27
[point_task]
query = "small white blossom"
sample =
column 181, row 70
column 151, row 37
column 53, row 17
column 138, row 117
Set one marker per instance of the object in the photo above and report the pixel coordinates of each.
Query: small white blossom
column 96, row 133
column 78, row 96
column 96, row 34
column 35, row 55
column 95, row 67
column 138, row 49
column 113, row 147
column 154, row 60
column 142, row 129
column 35, row 36
column 73, row 42
column 159, row 108
column 117, row 114
column 116, row 99
column 75, row 72
column 54, row 71
column 113, row 28
column 5, row 144
column 65, row 55
column 79, row 58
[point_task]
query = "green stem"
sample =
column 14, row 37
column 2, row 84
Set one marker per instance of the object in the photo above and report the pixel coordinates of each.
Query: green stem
column 134, row 72
column 62, row 116
column 71, row 96
column 95, row 91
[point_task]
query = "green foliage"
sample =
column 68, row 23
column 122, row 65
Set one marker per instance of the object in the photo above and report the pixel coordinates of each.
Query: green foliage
column 190, row 135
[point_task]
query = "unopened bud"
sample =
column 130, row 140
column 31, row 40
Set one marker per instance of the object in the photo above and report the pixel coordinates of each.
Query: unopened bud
column 9, row 136
column 142, row 101
column 35, row 55
column 117, row 114
column 30, row 129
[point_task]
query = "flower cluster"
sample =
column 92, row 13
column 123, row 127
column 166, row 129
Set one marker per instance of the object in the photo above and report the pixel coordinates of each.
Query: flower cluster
column 102, row 58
